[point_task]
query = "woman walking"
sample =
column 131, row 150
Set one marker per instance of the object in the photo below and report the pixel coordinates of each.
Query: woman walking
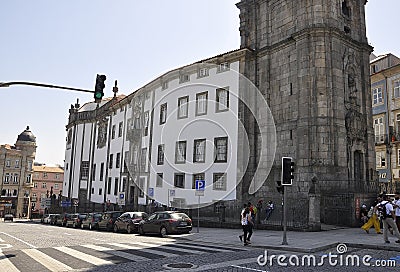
column 246, row 225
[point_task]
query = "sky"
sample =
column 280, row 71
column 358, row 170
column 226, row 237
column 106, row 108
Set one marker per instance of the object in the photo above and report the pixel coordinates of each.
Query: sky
column 67, row 43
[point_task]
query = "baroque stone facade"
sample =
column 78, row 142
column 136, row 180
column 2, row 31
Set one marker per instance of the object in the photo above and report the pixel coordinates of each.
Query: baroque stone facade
column 311, row 62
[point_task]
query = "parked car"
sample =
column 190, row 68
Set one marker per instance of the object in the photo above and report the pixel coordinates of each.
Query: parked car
column 129, row 221
column 91, row 221
column 75, row 220
column 53, row 218
column 8, row 217
column 61, row 220
column 108, row 219
column 46, row 219
column 166, row 223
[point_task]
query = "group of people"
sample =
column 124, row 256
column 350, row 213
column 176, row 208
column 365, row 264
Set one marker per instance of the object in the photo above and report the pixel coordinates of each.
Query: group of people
column 385, row 211
column 248, row 217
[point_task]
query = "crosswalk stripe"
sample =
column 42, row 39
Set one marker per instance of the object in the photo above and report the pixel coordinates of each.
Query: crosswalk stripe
column 219, row 249
column 172, row 248
column 166, row 254
column 117, row 253
column 46, row 261
column 83, row 256
column 6, row 265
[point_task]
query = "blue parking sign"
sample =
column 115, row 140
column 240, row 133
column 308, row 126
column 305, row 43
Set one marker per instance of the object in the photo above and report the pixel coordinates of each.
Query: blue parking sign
column 151, row 192
column 200, row 185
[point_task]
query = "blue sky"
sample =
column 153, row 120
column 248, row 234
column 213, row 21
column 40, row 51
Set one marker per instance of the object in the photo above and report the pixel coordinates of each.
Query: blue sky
column 68, row 42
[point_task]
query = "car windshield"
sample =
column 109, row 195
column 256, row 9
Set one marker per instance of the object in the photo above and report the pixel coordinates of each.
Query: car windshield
column 179, row 216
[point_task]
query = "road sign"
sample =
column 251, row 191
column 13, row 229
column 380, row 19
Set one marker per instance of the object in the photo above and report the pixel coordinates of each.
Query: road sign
column 171, row 192
column 76, row 202
column 200, row 185
column 121, row 199
column 151, row 192
column 65, row 203
column 199, row 193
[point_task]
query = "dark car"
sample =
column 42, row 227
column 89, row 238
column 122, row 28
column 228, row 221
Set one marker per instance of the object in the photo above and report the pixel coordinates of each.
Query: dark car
column 8, row 217
column 91, row 221
column 61, row 220
column 108, row 219
column 129, row 221
column 166, row 223
column 75, row 220
column 53, row 218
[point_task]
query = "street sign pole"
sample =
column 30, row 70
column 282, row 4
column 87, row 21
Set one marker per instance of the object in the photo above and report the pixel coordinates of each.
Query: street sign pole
column 284, row 242
column 198, row 215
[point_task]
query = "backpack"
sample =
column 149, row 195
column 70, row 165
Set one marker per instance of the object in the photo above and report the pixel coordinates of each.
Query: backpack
column 382, row 210
column 254, row 210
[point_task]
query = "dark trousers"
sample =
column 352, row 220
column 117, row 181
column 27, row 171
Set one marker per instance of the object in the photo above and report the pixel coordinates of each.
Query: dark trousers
column 398, row 222
column 247, row 232
column 250, row 231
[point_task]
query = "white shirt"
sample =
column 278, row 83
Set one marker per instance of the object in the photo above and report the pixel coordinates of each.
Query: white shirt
column 397, row 202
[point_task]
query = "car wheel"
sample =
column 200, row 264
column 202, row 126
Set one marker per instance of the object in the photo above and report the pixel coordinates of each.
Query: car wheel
column 129, row 229
column 90, row 226
column 115, row 228
column 141, row 231
column 163, row 231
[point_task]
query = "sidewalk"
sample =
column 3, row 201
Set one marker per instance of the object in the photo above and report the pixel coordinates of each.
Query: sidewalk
column 308, row 242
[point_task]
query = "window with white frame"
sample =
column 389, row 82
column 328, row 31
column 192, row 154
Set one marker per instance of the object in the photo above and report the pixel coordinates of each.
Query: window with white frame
column 398, row 124
column 381, row 159
column 45, row 175
column 183, row 105
column 44, row 185
column 203, row 72
column 379, row 129
column 221, row 149
column 222, row 99
column 57, row 176
column 35, row 185
column 29, row 165
column 6, row 178
column 141, row 187
column 16, row 163
column 146, row 123
column 159, row 179
column 56, row 186
column 28, row 178
column 198, row 176
column 184, row 78
column 160, row 154
column 164, row 85
column 118, row 160
column 163, row 113
column 113, row 132
column 377, row 96
column 85, row 170
column 179, row 180
column 396, row 89
column 201, row 103
column 219, row 181
column 199, row 150
column 16, row 179
column 120, row 129
column 222, row 67
column 180, row 152
column 143, row 159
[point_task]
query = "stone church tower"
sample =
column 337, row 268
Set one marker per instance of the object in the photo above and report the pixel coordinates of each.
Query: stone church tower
column 311, row 62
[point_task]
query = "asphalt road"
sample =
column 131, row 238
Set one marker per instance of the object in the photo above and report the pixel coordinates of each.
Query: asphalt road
column 32, row 247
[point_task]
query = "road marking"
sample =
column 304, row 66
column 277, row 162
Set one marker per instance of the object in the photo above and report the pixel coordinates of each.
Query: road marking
column 47, row 261
column 117, row 253
column 67, row 233
column 204, row 247
column 166, row 254
column 30, row 245
column 83, row 256
column 6, row 265
column 175, row 247
column 247, row 268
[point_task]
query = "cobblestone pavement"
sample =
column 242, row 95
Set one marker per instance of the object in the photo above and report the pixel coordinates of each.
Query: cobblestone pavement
column 35, row 247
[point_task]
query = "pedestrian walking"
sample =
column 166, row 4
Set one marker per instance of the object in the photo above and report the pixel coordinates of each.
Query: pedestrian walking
column 364, row 214
column 372, row 221
column 396, row 206
column 388, row 218
column 247, row 231
column 269, row 210
column 241, row 220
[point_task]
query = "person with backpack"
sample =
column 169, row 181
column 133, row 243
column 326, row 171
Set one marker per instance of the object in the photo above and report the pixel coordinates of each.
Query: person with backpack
column 246, row 223
column 388, row 218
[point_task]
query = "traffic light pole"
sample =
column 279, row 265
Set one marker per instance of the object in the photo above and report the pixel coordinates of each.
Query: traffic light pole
column 284, row 241
column 8, row 84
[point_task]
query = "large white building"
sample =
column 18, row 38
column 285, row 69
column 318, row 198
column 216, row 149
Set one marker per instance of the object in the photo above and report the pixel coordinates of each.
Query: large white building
column 156, row 142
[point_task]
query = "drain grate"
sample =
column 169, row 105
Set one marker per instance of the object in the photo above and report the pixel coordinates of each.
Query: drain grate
column 179, row 265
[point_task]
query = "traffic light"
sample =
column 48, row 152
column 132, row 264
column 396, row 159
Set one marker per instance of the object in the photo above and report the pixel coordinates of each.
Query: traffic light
column 287, row 171
column 99, row 87
column 279, row 186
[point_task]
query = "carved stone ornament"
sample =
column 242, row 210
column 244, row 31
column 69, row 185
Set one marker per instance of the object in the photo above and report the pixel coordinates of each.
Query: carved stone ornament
column 102, row 134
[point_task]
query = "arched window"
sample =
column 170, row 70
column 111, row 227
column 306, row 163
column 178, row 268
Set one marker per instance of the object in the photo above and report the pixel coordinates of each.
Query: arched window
column 346, row 9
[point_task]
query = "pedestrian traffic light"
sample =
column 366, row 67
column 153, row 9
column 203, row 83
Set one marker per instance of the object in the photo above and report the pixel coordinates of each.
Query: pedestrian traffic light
column 287, row 171
column 99, row 88
column 279, row 186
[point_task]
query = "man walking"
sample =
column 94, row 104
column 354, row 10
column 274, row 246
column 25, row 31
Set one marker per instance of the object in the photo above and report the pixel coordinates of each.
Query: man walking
column 396, row 206
column 388, row 218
